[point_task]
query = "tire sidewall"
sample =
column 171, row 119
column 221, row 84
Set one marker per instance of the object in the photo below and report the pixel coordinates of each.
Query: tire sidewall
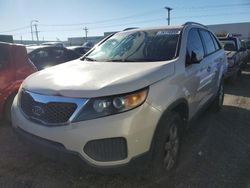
column 157, row 166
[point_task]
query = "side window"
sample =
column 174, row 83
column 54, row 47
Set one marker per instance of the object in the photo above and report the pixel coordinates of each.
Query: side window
column 39, row 56
column 194, row 44
column 216, row 43
column 4, row 56
column 58, row 54
column 208, row 42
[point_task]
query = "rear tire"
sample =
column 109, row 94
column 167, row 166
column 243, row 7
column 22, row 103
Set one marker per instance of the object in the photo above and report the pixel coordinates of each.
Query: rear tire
column 7, row 109
column 166, row 145
column 218, row 101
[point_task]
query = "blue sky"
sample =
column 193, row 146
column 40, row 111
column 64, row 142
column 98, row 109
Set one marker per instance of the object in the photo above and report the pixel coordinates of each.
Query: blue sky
column 67, row 18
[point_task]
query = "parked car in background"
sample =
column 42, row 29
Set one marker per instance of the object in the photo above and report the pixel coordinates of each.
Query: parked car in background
column 245, row 52
column 127, row 101
column 79, row 49
column 88, row 45
column 232, row 46
column 55, row 44
column 248, row 50
column 47, row 56
column 14, row 68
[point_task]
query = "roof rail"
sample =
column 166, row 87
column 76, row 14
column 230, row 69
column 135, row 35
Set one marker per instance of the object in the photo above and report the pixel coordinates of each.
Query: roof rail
column 195, row 23
column 130, row 28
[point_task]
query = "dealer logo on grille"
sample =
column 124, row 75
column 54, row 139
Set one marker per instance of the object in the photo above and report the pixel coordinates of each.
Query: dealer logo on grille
column 37, row 111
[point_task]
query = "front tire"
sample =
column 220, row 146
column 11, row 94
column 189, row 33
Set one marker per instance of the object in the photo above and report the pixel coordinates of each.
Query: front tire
column 167, row 144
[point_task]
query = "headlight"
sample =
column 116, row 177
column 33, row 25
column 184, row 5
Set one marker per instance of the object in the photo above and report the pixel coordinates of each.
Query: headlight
column 105, row 106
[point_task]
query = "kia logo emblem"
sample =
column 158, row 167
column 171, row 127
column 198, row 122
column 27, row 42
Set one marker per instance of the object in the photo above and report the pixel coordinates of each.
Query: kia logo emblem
column 37, row 110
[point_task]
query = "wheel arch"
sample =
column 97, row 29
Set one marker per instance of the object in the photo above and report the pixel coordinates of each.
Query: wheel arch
column 180, row 107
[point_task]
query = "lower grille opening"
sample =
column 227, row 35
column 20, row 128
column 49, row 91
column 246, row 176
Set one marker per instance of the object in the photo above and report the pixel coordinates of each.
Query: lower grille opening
column 109, row 149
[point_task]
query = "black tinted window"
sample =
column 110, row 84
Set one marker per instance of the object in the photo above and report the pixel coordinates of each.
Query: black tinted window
column 216, row 44
column 39, row 56
column 208, row 41
column 71, row 55
column 57, row 54
column 194, row 44
column 130, row 46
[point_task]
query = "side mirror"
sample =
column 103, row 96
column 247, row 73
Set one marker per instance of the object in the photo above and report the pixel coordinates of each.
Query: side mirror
column 196, row 57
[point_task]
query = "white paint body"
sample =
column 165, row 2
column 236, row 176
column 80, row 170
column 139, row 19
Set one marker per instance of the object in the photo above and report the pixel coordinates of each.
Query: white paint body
column 168, row 81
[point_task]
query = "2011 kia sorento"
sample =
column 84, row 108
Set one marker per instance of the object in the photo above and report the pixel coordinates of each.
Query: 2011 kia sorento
column 127, row 100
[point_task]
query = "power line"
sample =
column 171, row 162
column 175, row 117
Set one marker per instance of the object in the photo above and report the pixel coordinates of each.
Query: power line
column 131, row 16
column 146, row 21
column 145, row 13
column 143, row 21
column 104, row 21
column 17, row 29
column 215, row 6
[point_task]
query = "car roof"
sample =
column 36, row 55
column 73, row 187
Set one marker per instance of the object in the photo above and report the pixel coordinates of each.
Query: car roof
column 154, row 28
column 32, row 48
column 11, row 44
column 74, row 47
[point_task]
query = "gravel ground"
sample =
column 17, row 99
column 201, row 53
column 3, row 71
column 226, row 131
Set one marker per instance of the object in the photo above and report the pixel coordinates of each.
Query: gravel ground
column 215, row 153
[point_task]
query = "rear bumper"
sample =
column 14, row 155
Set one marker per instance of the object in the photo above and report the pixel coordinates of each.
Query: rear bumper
column 59, row 153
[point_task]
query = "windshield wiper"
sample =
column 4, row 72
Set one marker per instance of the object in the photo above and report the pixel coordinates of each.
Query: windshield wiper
column 89, row 59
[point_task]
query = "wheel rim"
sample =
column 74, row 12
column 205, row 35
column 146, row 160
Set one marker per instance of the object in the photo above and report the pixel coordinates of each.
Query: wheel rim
column 221, row 95
column 171, row 148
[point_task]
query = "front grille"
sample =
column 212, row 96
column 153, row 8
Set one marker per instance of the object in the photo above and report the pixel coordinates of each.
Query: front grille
column 48, row 113
column 109, row 149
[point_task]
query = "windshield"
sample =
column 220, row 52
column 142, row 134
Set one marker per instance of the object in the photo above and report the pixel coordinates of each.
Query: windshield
column 228, row 45
column 134, row 46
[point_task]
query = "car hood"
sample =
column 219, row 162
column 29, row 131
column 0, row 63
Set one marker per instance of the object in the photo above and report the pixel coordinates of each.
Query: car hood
column 83, row 79
column 230, row 54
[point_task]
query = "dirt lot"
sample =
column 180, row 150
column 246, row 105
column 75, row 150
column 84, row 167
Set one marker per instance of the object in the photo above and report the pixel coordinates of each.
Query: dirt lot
column 215, row 153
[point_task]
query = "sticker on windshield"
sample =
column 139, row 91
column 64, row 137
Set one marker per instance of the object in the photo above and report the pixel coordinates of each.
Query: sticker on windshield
column 168, row 32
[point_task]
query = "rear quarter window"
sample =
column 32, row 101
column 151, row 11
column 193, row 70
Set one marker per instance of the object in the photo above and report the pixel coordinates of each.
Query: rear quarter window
column 208, row 42
column 216, row 43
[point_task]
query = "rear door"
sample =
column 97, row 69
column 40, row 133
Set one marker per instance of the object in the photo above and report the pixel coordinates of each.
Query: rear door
column 209, row 67
column 7, row 70
column 195, row 72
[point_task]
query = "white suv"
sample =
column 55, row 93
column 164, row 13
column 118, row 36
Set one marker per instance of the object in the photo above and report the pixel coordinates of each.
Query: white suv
column 125, row 101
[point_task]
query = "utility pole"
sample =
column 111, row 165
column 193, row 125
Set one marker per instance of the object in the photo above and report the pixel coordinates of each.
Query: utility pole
column 86, row 33
column 31, row 28
column 21, row 39
column 168, row 9
column 36, row 33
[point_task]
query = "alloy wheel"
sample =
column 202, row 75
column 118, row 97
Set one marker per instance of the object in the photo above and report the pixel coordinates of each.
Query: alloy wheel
column 171, row 148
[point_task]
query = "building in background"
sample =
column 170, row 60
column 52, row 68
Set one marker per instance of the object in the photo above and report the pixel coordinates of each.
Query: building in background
column 240, row 29
column 6, row 38
column 79, row 41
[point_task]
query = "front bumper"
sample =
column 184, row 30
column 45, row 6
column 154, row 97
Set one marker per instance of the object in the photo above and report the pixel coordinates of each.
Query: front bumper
column 59, row 153
column 136, row 127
